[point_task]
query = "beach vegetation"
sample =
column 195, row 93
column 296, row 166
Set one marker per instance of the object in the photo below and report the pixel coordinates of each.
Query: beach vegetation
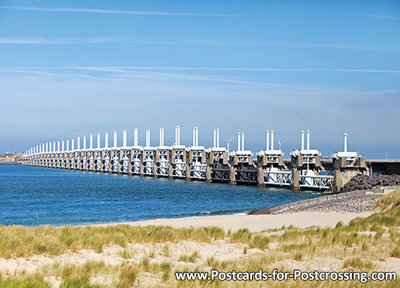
column 165, row 251
column 358, row 263
column 126, row 254
column 24, row 281
column 19, row 241
column 190, row 258
column 127, row 275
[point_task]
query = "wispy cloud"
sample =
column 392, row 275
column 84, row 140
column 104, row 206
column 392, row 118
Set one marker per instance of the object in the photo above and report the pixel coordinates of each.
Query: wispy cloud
column 122, row 69
column 108, row 11
column 122, row 73
column 54, row 41
column 172, row 74
column 161, row 76
column 378, row 16
column 180, row 42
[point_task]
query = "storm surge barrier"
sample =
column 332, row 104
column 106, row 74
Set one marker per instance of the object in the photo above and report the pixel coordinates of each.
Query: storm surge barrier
column 304, row 170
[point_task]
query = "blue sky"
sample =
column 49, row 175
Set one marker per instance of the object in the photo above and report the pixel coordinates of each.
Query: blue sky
column 74, row 68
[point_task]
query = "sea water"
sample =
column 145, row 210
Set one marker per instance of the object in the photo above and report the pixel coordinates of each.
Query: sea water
column 34, row 196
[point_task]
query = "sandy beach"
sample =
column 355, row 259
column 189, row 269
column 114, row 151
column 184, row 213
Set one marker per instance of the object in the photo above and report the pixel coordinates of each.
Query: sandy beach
column 257, row 223
column 152, row 262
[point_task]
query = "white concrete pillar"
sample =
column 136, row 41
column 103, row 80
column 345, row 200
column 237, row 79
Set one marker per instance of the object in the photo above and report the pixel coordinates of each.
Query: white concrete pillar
column 47, row 147
column 106, row 140
column 147, row 137
column 272, row 139
column 308, row 139
column 194, row 136
column 136, row 137
column 124, row 138
column 54, row 146
column 98, row 141
column 217, row 137
column 197, row 136
column 91, row 141
column 267, row 140
column 67, row 145
column 62, row 146
column 345, row 142
column 72, row 145
column 58, row 146
column 115, row 140
column 178, row 135
column 242, row 141
column 302, row 140
column 84, row 142
column 161, row 136
column 78, row 143
column 239, row 142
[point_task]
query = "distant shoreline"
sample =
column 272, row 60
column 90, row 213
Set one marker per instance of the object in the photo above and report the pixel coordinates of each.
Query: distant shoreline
column 8, row 163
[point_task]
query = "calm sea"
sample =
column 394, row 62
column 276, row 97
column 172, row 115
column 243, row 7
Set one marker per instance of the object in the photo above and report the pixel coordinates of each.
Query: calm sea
column 33, row 196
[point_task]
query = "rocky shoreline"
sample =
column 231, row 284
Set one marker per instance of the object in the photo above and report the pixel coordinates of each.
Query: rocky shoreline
column 364, row 182
column 361, row 202
column 348, row 201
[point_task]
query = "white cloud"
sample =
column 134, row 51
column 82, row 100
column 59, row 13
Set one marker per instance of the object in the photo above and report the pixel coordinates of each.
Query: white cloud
column 108, row 11
column 378, row 16
column 183, row 42
column 127, row 69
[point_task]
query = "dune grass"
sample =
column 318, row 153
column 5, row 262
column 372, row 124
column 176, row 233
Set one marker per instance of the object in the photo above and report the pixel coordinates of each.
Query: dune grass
column 19, row 241
column 24, row 281
column 362, row 246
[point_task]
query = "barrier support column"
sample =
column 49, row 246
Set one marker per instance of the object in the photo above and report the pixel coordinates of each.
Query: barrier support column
column 156, row 156
column 171, row 165
column 210, row 157
column 260, row 177
column 119, row 161
column 297, row 164
column 101, row 161
column 130, row 162
column 142, row 164
column 189, row 161
column 87, row 160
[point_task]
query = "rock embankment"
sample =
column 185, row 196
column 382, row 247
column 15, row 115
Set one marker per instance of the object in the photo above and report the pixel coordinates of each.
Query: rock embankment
column 364, row 182
column 353, row 202
column 343, row 205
